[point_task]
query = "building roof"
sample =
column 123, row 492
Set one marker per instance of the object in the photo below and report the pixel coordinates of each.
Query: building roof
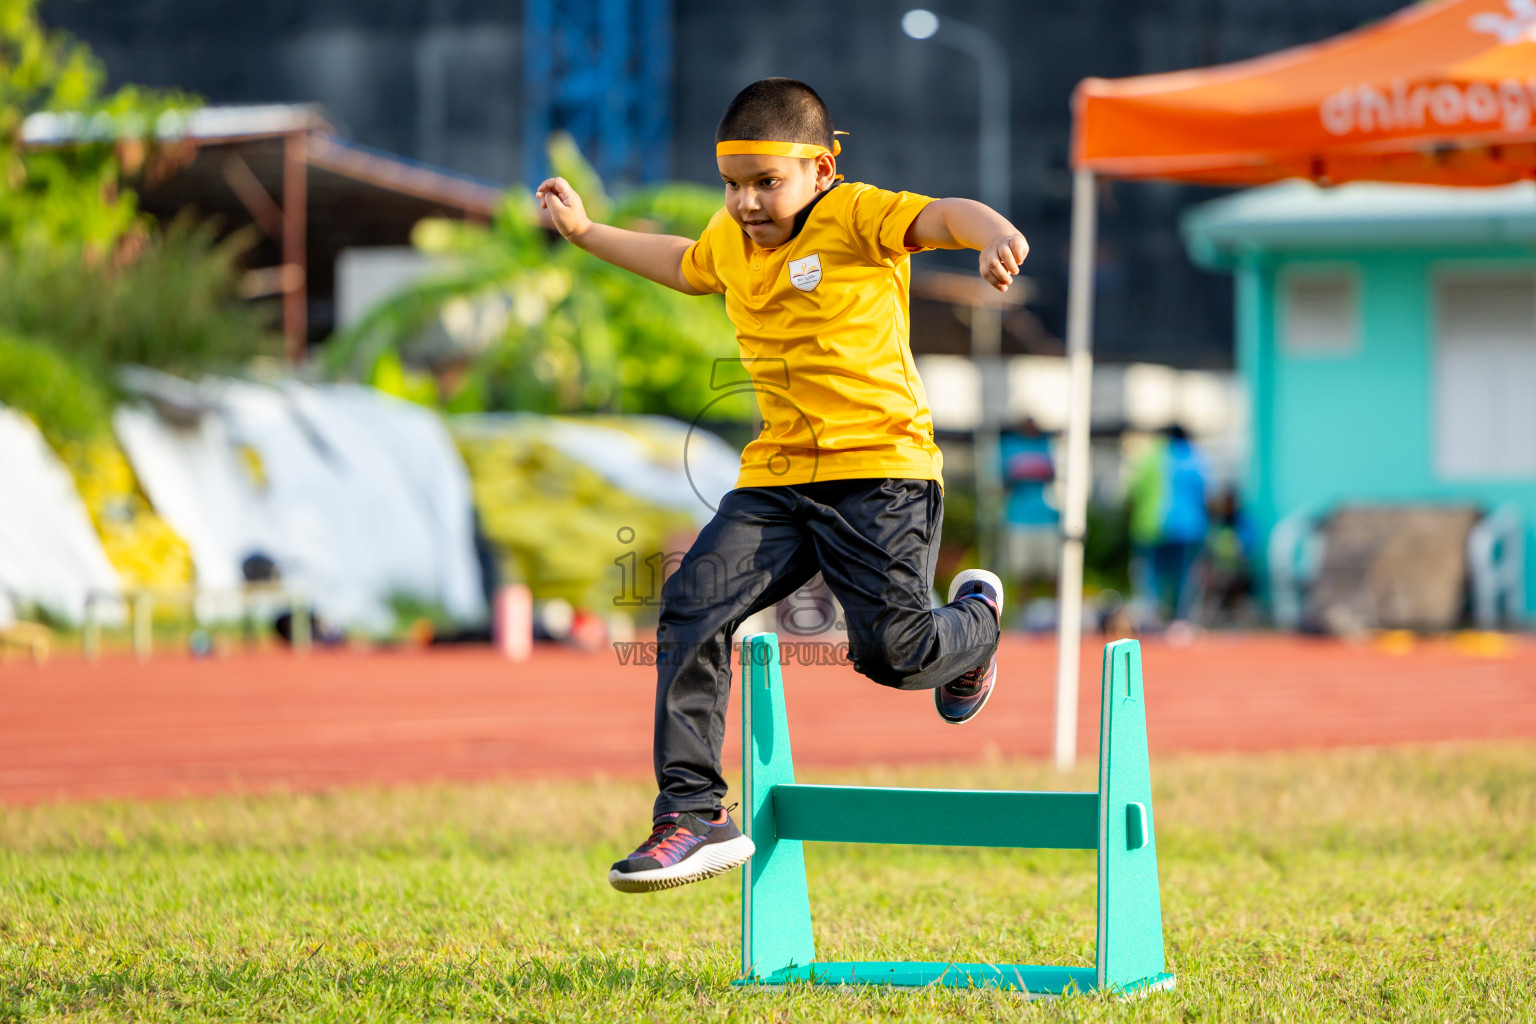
column 943, row 303
column 230, row 165
column 255, row 129
column 203, row 124
column 1297, row 215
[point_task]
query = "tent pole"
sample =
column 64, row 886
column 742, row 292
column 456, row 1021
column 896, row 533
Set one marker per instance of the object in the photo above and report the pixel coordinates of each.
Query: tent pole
column 1075, row 514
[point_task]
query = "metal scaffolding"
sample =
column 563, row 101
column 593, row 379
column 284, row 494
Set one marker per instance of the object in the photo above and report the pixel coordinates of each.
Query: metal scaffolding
column 602, row 71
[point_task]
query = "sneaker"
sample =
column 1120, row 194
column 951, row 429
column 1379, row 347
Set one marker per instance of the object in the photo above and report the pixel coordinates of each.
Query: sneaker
column 960, row 700
column 682, row 848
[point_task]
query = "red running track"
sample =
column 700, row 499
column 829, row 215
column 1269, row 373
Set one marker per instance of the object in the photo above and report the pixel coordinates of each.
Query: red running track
column 72, row 730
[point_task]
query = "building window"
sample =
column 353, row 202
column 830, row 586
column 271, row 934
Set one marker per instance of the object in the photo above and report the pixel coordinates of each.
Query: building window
column 1320, row 311
column 1485, row 375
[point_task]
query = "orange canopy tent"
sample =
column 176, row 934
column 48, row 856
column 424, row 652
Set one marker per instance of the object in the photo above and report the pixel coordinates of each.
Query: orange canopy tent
column 1440, row 93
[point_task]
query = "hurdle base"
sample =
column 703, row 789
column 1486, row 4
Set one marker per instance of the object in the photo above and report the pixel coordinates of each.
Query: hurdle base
column 1036, row 980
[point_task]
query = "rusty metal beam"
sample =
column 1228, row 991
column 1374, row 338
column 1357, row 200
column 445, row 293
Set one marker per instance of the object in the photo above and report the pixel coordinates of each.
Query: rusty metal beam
column 295, row 228
column 242, row 181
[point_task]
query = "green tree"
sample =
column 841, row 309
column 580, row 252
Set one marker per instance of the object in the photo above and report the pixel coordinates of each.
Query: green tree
column 72, row 195
column 525, row 321
column 81, row 269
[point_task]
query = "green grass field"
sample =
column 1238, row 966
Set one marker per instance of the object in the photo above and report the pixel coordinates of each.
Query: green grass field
column 1334, row 886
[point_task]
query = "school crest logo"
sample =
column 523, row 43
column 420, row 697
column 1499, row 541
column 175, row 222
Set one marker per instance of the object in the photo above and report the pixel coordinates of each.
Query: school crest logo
column 805, row 273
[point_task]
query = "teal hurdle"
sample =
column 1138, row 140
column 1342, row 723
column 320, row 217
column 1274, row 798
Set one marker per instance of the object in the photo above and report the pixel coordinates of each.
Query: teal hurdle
column 781, row 815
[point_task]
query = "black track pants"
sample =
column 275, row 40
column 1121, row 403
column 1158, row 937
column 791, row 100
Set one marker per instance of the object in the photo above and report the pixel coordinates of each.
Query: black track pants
column 874, row 541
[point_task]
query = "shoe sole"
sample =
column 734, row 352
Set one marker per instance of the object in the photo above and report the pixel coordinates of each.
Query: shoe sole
column 959, row 581
column 714, row 859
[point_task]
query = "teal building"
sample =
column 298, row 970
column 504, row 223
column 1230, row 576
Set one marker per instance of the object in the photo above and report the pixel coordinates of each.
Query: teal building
column 1386, row 335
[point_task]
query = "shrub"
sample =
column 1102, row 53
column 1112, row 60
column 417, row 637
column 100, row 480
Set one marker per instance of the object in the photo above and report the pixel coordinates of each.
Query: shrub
column 173, row 306
column 67, row 404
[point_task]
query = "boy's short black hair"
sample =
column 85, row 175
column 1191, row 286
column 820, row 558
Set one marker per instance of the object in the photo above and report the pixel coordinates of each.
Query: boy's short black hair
column 777, row 109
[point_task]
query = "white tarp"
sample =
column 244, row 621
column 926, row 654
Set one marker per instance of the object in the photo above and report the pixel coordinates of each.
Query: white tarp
column 194, row 478
column 50, row 554
column 363, row 497
column 399, row 469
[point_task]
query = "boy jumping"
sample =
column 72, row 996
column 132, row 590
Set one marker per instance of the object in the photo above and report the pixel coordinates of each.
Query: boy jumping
column 844, row 477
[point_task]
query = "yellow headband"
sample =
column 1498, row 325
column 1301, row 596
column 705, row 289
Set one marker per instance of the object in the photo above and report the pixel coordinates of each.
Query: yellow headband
column 765, row 147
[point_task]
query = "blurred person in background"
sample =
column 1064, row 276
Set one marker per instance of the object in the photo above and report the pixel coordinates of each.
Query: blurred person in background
column 1228, row 577
column 1032, row 541
column 1169, row 524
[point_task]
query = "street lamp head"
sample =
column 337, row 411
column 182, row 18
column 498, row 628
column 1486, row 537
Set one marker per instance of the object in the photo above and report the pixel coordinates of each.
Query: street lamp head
column 920, row 23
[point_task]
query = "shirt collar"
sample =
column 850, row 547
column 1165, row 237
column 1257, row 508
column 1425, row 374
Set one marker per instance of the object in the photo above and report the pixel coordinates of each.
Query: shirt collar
column 802, row 216
column 805, row 212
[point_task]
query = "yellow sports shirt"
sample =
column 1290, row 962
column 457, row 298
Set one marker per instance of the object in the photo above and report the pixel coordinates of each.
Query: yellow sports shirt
column 823, row 325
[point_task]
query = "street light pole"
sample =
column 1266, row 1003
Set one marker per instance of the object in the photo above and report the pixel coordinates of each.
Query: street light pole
column 993, row 95
column 992, row 107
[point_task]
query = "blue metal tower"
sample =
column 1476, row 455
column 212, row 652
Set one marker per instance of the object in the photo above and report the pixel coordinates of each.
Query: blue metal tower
column 601, row 70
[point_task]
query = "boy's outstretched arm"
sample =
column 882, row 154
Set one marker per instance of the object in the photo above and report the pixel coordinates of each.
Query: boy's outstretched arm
column 967, row 224
column 658, row 257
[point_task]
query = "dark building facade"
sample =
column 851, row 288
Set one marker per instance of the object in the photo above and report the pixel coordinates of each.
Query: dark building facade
column 444, row 81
